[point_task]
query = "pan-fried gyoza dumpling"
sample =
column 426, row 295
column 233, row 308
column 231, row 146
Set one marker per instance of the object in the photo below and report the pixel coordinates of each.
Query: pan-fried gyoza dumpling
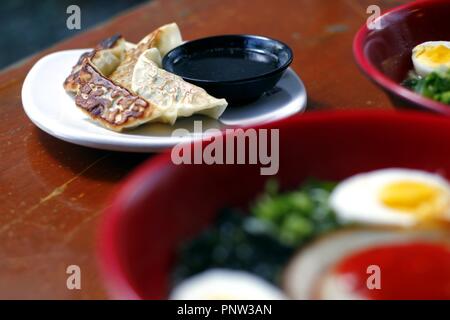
column 106, row 57
column 170, row 94
column 111, row 105
column 164, row 39
column 118, row 83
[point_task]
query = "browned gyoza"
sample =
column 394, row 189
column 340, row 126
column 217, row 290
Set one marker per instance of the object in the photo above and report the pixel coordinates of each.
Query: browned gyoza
column 108, row 103
column 102, row 81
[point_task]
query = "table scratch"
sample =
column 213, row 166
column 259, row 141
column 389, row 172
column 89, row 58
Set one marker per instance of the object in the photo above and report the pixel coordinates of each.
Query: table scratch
column 69, row 236
column 56, row 192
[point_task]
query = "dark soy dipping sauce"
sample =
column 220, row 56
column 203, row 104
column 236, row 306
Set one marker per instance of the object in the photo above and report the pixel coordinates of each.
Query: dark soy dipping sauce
column 226, row 64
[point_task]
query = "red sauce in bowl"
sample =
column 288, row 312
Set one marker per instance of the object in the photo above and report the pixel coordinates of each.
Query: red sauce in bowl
column 418, row 270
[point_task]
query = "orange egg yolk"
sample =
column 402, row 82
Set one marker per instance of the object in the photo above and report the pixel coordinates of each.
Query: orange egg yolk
column 434, row 55
column 418, row 198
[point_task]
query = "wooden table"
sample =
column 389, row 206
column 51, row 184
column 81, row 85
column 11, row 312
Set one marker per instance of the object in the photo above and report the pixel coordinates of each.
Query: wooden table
column 52, row 193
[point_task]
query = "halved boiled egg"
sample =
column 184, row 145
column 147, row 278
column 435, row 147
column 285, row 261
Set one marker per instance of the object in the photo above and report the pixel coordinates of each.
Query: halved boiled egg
column 372, row 264
column 400, row 197
column 222, row 284
column 431, row 56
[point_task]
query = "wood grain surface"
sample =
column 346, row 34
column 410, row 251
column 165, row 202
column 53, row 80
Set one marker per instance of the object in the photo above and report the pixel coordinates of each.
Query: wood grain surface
column 52, row 193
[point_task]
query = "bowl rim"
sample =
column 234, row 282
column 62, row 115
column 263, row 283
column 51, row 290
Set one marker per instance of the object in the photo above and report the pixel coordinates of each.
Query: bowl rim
column 374, row 74
column 115, row 278
column 261, row 76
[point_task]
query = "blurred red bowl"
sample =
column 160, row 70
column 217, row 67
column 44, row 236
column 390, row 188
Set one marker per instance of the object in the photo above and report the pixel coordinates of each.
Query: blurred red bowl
column 384, row 55
column 161, row 204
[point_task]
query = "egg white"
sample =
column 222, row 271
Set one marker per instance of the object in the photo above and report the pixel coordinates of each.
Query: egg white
column 356, row 199
column 422, row 66
column 225, row 284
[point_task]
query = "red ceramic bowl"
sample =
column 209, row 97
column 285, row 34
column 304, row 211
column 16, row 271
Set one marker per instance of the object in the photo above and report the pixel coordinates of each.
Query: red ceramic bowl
column 161, row 204
column 385, row 55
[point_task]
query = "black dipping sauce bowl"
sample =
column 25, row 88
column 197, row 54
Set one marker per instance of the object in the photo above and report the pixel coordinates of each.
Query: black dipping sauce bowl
column 239, row 68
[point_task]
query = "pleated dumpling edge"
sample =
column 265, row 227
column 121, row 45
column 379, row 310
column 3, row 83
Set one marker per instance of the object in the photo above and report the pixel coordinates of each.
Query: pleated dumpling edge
column 171, row 96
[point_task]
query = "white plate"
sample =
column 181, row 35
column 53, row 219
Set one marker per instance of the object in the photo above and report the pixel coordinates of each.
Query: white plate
column 54, row 111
